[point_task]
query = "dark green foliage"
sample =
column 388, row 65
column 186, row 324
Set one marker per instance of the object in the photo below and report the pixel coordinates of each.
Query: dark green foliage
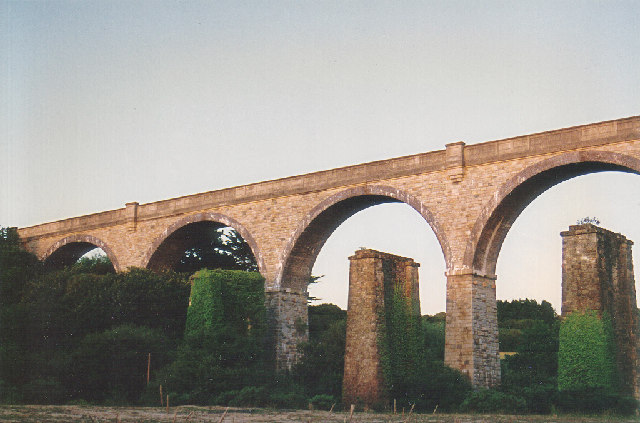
column 322, row 317
column 509, row 339
column 596, row 400
column 323, row 401
column 227, row 301
column 321, row 368
column 587, row 375
column 50, row 323
column 67, row 305
column 17, row 267
column 536, row 360
column 287, row 399
column 224, row 343
column 516, row 316
column 249, row 396
column 531, row 374
column 525, row 309
column 586, row 358
column 155, row 300
column 493, row 401
column 401, row 343
column 112, row 365
column 411, row 354
column 433, row 337
column 217, row 248
column 100, row 265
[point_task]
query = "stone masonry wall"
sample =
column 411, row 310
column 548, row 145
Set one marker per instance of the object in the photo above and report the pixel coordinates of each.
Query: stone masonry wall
column 471, row 337
column 287, row 318
column 597, row 274
column 369, row 271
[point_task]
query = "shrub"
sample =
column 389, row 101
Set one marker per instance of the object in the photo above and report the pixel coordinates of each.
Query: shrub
column 9, row 394
column 291, row 399
column 492, row 401
column 224, row 343
column 323, row 401
column 586, row 358
column 321, row 367
column 47, row 390
column 111, row 366
column 596, row 400
column 250, row 396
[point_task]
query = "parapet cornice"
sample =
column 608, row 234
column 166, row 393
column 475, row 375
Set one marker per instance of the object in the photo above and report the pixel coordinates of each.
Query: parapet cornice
column 566, row 139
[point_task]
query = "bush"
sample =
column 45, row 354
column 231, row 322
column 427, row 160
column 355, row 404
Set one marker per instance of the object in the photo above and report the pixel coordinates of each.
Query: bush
column 112, row 365
column 100, row 265
column 9, row 394
column 224, row 344
column 596, row 400
column 323, row 401
column 250, row 396
column 291, row 399
column 47, row 390
column 321, row 367
column 586, row 358
column 433, row 337
column 492, row 401
column 322, row 317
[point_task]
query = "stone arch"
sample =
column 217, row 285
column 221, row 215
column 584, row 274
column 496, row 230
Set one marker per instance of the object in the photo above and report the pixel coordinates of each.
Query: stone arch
column 207, row 217
column 501, row 211
column 314, row 229
column 69, row 249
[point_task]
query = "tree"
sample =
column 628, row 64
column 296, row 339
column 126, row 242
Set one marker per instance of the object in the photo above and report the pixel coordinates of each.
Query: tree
column 99, row 264
column 531, row 331
column 217, row 248
column 224, row 343
column 17, row 268
column 321, row 369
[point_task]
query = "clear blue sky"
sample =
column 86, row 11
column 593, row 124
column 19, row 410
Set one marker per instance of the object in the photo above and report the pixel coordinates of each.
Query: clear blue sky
column 106, row 102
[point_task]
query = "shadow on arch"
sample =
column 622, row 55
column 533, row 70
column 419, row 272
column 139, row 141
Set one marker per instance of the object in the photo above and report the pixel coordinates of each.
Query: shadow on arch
column 313, row 231
column 68, row 251
column 192, row 240
column 497, row 216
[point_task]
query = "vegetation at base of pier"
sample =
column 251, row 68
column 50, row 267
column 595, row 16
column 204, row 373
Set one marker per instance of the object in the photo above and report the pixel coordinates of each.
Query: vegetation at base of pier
column 87, row 334
column 414, row 372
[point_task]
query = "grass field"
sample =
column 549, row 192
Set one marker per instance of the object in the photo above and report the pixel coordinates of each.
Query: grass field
column 93, row 414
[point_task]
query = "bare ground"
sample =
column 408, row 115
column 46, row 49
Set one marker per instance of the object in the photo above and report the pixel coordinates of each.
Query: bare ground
column 183, row 414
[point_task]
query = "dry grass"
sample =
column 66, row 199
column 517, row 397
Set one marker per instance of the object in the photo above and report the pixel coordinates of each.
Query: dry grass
column 183, row 414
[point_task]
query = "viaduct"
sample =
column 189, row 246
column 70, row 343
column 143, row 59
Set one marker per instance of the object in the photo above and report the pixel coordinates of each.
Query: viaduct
column 469, row 195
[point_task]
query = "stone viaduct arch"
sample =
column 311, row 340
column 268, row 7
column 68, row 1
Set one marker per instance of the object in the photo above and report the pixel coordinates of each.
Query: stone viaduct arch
column 501, row 211
column 70, row 248
column 315, row 228
column 156, row 255
column 469, row 194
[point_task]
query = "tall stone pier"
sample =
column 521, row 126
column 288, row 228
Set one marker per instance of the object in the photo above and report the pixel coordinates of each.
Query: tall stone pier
column 372, row 274
column 471, row 339
column 597, row 275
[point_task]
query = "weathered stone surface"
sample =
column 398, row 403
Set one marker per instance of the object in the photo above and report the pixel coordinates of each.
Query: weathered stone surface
column 468, row 194
column 288, row 318
column 597, row 275
column 371, row 274
column 471, row 337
